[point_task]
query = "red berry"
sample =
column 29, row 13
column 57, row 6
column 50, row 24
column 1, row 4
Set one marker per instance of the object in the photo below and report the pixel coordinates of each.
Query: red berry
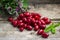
column 39, row 23
column 36, row 28
column 25, row 25
column 21, row 15
column 40, row 32
column 29, row 17
column 19, row 21
column 21, row 29
column 44, row 18
column 35, row 25
column 24, row 20
column 36, row 21
column 37, row 17
column 42, row 26
column 14, row 23
column 33, row 14
column 48, row 21
column 10, row 19
column 42, row 22
column 36, row 14
column 29, row 27
column 21, row 25
column 27, row 14
column 45, row 35
column 28, row 21
column 33, row 20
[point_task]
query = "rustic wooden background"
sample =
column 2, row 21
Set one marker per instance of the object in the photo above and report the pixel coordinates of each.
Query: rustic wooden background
column 52, row 11
column 45, row 1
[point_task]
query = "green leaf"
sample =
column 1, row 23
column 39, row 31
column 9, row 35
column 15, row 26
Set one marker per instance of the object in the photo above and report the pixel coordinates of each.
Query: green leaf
column 56, row 25
column 53, row 30
column 25, row 3
column 49, row 27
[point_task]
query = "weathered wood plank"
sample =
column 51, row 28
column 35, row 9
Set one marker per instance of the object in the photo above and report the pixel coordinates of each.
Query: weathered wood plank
column 44, row 1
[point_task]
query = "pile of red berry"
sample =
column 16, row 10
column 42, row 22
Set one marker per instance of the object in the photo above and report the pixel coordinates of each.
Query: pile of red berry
column 31, row 21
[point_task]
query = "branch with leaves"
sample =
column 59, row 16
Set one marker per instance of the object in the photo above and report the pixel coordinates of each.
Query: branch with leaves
column 13, row 6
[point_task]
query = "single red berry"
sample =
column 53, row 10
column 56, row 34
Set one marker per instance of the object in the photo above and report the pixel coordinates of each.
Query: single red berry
column 39, row 23
column 36, row 21
column 36, row 14
column 10, row 19
column 21, row 25
column 48, row 21
column 36, row 28
column 45, row 35
column 14, row 23
column 19, row 21
column 44, row 18
column 21, row 15
column 27, row 14
column 35, row 24
column 42, row 22
column 24, row 20
column 21, row 29
column 33, row 20
column 29, row 27
column 42, row 26
column 33, row 14
column 37, row 17
column 28, row 21
column 40, row 32
column 29, row 17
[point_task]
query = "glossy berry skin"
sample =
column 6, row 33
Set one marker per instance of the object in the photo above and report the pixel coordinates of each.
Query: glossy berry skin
column 39, row 23
column 36, row 28
column 10, row 19
column 25, row 25
column 45, row 35
column 24, row 20
column 48, row 21
column 21, row 15
column 34, row 25
column 19, row 21
column 42, row 27
column 36, row 21
column 44, row 18
column 36, row 14
column 37, row 17
column 33, row 15
column 21, row 25
column 42, row 22
column 29, row 21
column 14, row 23
column 40, row 32
column 32, row 20
column 21, row 29
column 29, row 27
column 27, row 14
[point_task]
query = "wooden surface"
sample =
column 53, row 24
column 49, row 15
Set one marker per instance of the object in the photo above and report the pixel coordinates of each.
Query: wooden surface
column 8, row 32
column 44, row 1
